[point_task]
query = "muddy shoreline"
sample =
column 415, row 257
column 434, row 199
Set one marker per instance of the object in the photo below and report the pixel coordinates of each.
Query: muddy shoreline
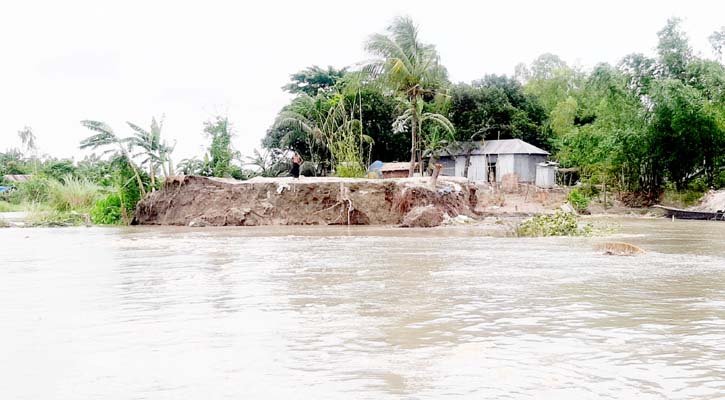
column 202, row 201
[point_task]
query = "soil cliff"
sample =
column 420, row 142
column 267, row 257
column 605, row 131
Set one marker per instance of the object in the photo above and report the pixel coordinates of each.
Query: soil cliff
column 199, row 201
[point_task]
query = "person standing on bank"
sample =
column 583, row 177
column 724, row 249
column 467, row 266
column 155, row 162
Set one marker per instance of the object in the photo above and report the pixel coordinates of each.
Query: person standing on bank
column 296, row 163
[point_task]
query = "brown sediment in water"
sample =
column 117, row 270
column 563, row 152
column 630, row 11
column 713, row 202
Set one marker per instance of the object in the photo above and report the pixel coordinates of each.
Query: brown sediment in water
column 619, row 249
column 199, row 201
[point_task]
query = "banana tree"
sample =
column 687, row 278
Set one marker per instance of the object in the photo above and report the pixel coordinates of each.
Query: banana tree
column 106, row 137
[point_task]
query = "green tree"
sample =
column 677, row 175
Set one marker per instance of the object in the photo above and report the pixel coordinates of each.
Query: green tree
column 496, row 107
column 106, row 137
column 312, row 80
column 156, row 153
column 674, row 50
column 27, row 137
column 221, row 152
column 685, row 135
column 334, row 126
column 412, row 69
column 717, row 41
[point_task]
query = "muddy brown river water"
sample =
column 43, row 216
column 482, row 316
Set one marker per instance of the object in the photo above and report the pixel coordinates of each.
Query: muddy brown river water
column 360, row 313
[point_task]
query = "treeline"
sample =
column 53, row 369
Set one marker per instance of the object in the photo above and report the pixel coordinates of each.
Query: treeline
column 640, row 126
column 105, row 188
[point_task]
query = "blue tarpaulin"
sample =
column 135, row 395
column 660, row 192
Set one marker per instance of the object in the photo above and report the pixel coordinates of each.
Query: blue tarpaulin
column 5, row 188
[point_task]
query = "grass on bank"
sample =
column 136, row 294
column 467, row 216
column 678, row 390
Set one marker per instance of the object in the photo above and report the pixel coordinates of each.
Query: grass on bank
column 53, row 203
column 10, row 207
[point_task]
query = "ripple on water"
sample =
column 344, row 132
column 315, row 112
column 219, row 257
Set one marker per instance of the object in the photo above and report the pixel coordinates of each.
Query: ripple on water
column 364, row 313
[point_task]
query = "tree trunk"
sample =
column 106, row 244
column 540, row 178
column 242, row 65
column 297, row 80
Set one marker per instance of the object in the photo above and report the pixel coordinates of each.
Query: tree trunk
column 163, row 168
column 413, row 134
column 434, row 176
column 153, row 176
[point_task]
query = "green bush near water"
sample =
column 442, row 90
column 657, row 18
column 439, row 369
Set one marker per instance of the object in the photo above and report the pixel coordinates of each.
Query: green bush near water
column 558, row 224
column 107, row 211
column 578, row 200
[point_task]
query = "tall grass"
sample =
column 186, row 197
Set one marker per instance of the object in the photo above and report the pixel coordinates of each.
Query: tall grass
column 73, row 194
column 68, row 203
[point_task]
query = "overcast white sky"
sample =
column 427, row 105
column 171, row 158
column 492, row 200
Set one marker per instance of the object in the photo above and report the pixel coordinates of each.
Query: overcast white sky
column 65, row 61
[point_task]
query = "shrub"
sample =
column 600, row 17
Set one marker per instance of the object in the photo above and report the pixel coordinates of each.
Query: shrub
column 558, row 224
column 578, row 200
column 107, row 211
column 35, row 190
column 350, row 170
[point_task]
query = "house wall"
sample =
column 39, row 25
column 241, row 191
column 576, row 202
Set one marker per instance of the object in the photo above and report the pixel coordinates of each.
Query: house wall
column 449, row 166
column 460, row 165
column 545, row 176
column 525, row 166
column 522, row 164
column 476, row 169
column 395, row 174
column 504, row 165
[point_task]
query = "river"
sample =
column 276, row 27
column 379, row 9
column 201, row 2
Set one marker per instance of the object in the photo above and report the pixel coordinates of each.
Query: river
column 363, row 313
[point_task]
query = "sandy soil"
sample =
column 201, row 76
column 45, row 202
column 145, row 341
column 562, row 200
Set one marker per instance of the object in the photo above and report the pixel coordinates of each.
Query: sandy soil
column 199, row 201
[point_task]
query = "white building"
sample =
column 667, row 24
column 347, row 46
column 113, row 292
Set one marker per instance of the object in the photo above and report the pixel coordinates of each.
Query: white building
column 493, row 160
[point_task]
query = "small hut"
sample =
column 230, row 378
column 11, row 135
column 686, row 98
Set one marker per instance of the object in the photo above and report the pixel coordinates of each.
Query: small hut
column 396, row 169
column 546, row 174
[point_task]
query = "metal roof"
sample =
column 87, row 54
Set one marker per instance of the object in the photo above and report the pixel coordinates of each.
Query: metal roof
column 505, row 146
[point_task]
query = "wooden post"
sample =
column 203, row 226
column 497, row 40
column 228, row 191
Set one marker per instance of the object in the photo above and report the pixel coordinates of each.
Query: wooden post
column 434, row 176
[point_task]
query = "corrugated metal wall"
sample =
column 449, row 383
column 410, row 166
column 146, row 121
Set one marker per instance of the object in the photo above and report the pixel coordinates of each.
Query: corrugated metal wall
column 449, row 166
column 522, row 164
column 504, row 165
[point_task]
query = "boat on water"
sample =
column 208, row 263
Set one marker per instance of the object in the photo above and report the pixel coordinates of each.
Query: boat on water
column 689, row 214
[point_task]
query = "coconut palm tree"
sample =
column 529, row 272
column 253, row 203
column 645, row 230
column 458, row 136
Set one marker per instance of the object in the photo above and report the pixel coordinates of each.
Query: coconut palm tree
column 106, row 137
column 336, row 128
column 413, row 71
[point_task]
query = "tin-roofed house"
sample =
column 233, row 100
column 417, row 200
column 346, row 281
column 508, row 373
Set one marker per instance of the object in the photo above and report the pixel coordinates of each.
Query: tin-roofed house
column 493, row 160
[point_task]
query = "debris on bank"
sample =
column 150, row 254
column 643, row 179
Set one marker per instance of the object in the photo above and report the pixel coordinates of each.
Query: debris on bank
column 203, row 201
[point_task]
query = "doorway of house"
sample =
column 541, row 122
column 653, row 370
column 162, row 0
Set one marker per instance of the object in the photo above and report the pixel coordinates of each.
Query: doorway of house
column 491, row 172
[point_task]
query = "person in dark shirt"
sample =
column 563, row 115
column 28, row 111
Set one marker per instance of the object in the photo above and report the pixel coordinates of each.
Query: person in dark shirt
column 296, row 163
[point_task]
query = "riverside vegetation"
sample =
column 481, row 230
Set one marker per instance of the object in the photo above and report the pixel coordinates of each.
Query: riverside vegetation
column 650, row 128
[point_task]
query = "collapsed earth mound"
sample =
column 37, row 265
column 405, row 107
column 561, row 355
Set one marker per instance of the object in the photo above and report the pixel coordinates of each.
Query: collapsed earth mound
column 199, row 201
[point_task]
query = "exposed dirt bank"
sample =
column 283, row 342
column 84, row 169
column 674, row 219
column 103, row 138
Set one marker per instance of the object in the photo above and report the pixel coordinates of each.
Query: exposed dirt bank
column 199, row 201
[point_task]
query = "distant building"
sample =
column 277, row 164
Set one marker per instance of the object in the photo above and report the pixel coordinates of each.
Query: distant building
column 396, row 169
column 493, row 160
